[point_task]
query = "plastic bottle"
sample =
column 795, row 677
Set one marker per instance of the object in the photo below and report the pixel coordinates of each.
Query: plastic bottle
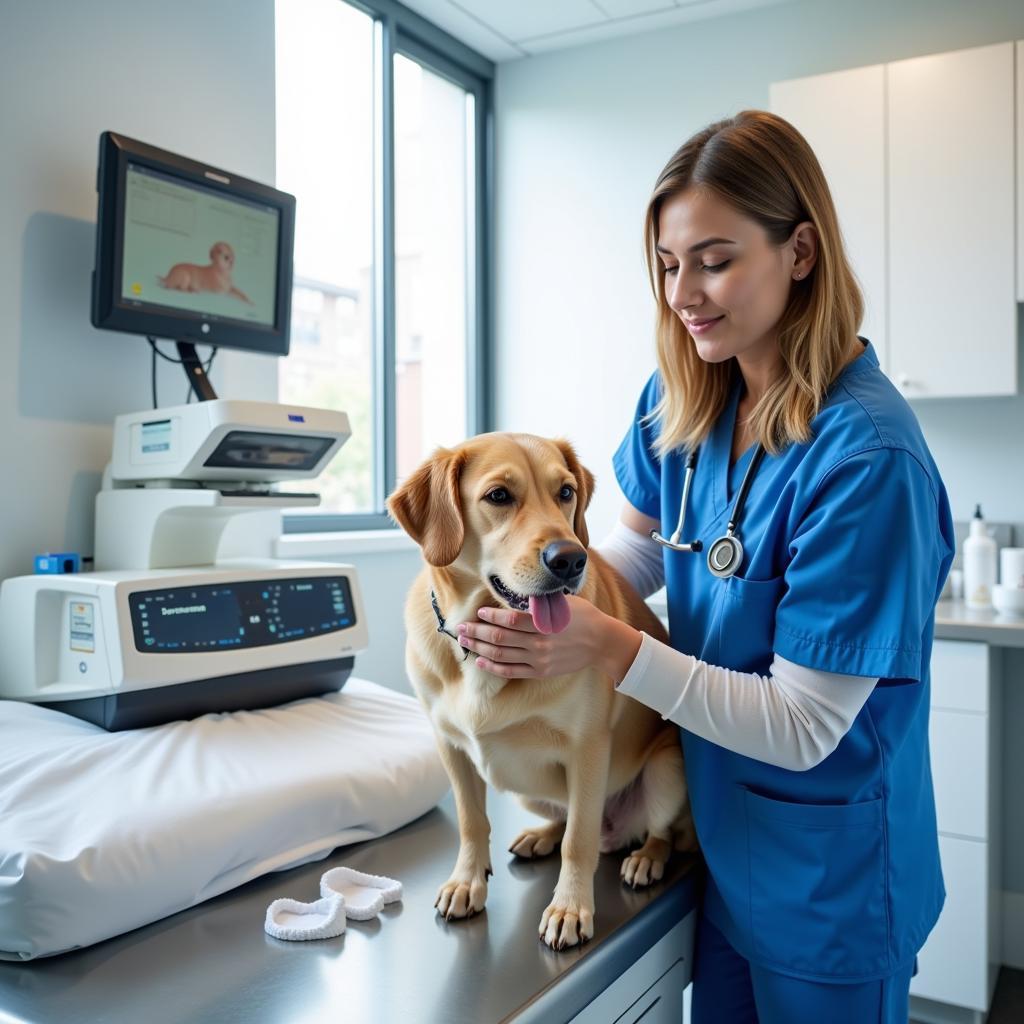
column 979, row 564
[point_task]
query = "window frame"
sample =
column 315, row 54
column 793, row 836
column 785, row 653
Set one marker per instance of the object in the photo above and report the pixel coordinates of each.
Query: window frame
column 400, row 32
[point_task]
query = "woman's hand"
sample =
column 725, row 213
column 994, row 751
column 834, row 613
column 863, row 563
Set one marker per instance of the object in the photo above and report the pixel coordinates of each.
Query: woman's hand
column 508, row 644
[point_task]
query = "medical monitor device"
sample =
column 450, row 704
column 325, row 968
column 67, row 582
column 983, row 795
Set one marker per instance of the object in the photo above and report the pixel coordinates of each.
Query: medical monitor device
column 190, row 253
column 251, row 443
column 130, row 649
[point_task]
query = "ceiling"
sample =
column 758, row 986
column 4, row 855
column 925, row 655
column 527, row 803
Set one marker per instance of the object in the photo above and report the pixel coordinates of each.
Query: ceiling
column 503, row 30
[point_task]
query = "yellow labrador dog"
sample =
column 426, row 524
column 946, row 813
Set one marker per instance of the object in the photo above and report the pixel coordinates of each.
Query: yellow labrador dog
column 500, row 521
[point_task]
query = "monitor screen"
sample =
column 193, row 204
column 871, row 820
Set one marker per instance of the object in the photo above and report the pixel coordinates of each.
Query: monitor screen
column 190, row 253
column 190, row 248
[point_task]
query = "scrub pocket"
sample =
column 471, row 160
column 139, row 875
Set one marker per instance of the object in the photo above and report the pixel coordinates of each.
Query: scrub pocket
column 817, row 886
column 746, row 623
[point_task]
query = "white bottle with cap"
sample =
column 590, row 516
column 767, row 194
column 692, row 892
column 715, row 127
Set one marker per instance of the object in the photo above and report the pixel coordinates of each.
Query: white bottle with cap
column 979, row 564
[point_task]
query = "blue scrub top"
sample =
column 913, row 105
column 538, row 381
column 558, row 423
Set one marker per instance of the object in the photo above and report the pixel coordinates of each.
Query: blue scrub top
column 830, row 874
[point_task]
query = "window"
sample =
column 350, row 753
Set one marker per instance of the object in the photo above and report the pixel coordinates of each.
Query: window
column 381, row 125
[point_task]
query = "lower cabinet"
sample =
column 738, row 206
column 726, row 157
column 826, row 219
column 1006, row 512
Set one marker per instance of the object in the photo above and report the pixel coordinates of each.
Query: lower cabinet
column 958, row 966
column 651, row 991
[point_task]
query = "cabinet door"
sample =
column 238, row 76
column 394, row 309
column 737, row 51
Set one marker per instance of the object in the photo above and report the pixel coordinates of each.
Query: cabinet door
column 960, row 765
column 662, row 1003
column 952, row 287
column 960, row 675
column 652, row 987
column 842, row 116
column 953, row 966
column 1020, row 172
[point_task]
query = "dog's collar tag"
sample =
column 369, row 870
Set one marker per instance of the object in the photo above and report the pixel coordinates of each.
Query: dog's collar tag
column 440, row 624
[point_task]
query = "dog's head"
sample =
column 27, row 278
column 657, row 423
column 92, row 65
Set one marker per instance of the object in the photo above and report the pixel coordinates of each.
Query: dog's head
column 508, row 509
column 222, row 256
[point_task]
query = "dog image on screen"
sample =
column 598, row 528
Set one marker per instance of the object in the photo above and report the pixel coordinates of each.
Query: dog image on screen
column 500, row 522
column 215, row 277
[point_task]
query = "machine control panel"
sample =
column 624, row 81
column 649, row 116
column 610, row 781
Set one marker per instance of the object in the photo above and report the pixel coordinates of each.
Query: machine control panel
column 229, row 616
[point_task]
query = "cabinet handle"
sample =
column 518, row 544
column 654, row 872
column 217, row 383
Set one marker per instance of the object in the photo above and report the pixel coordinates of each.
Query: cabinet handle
column 904, row 380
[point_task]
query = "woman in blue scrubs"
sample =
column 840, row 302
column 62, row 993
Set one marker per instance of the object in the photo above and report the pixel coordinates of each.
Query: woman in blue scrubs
column 801, row 680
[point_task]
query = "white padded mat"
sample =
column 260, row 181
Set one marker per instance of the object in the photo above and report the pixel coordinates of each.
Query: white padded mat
column 103, row 832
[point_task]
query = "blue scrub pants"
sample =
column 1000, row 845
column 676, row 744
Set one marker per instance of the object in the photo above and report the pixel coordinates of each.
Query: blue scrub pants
column 727, row 989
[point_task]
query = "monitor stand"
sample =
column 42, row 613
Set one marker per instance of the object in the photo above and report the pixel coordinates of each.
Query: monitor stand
column 193, row 367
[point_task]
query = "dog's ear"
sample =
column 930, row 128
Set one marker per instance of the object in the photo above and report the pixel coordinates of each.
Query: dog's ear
column 584, row 489
column 427, row 506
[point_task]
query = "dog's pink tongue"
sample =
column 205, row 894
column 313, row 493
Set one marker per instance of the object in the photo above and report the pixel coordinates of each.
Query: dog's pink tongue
column 550, row 612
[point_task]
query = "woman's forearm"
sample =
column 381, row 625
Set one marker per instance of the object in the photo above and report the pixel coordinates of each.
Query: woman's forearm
column 615, row 645
column 794, row 717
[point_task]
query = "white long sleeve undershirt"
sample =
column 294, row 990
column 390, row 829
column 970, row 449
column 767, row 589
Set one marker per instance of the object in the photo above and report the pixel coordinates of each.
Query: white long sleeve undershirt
column 635, row 556
column 793, row 718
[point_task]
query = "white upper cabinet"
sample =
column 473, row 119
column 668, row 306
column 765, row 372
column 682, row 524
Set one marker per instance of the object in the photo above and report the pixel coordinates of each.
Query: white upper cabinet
column 842, row 116
column 919, row 156
column 952, row 287
column 1020, row 172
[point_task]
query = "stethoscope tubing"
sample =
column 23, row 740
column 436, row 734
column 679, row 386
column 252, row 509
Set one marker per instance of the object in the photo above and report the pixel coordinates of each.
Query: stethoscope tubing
column 726, row 553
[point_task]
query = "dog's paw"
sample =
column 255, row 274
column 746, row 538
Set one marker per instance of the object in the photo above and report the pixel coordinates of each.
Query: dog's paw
column 537, row 842
column 462, row 897
column 563, row 925
column 639, row 870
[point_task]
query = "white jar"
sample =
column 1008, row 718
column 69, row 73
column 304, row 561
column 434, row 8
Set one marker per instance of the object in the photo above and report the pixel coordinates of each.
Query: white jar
column 1011, row 568
column 980, row 562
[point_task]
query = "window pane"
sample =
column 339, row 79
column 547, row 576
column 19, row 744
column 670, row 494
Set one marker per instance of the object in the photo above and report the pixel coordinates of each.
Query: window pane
column 433, row 202
column 325, row 158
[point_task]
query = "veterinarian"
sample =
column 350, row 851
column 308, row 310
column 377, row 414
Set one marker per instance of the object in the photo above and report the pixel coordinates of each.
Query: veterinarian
column 799, row 666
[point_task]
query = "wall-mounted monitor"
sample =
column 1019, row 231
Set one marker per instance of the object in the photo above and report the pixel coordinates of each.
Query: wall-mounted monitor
column 189, row 252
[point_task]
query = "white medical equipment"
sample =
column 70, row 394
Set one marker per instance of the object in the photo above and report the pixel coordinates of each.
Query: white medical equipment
column 180, row 476
column 726, row 553
column 184, row 615
column 127, row 649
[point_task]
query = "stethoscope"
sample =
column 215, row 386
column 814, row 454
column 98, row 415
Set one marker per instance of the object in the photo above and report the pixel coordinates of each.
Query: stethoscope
column 726, row 553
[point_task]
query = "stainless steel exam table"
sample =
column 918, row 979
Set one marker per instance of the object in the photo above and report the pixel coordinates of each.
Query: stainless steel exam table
column 214, row 963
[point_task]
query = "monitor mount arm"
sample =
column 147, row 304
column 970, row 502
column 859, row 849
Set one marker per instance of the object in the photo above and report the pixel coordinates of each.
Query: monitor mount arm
column 193, row 367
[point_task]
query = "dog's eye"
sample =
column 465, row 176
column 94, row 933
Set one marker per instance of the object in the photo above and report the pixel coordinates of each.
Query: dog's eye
column 566, row 493
column 499, row 496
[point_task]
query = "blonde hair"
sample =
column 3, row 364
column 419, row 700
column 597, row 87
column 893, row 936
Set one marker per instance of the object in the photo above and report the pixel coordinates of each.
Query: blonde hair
column 763, row 167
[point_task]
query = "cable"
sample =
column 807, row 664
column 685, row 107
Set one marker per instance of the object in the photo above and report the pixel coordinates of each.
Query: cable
column 152, row 369
column 163, row 355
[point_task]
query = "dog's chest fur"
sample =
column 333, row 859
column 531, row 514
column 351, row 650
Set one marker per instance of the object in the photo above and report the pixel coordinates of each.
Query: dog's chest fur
column 517, row 742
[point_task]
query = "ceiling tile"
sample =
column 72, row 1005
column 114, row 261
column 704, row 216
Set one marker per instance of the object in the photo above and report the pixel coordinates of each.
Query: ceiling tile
column 644, row 22
column 630, row 8
column 526, row 18
column 466, row 27
column 502, row 31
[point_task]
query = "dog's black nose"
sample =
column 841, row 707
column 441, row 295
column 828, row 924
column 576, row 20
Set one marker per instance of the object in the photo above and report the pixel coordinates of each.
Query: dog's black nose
column 565, row 559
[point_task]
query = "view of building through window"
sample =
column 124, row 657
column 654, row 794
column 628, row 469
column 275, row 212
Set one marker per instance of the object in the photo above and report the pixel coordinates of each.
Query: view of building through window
column 325, row 105
column 433, row 173
column 325, row 157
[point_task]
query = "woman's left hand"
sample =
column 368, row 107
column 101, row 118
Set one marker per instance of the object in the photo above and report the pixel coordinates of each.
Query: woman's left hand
column 508, row 644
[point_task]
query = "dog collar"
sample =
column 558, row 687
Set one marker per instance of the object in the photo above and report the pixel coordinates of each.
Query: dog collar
column 440, row 624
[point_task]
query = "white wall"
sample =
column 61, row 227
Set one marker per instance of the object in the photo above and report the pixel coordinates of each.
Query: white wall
column 192, row 76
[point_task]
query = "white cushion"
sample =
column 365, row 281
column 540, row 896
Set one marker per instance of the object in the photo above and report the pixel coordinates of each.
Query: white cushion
column 103, row 832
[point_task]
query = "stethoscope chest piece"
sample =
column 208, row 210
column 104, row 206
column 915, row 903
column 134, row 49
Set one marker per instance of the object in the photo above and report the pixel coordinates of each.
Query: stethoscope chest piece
column 725, row 557
column 726, row 554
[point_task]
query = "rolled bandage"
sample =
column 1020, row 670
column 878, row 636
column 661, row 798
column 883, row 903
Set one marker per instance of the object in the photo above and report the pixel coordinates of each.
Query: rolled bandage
column 364, row 895
column 292, row 920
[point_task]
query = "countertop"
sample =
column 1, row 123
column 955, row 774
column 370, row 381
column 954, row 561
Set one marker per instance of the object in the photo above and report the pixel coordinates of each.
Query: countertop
column 955, row 621
column 214, row 964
